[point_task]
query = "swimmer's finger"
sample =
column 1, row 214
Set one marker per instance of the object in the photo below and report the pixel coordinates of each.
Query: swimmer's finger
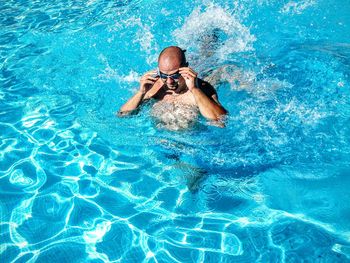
column 191, row 70
column 151, row 82
column 149, row 78
column 184, row 74
column 194, row 75
column 151, row 73
column 183, row 70
column 188, row 71
column 187, row 75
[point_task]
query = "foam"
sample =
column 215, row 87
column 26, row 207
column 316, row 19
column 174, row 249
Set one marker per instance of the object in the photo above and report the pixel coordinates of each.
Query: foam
column 143, row 36
column 297, row 7
column 204, row 28
column 173, row 116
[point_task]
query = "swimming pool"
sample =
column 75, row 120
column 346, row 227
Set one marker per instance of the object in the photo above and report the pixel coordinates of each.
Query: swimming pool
column 78, row 184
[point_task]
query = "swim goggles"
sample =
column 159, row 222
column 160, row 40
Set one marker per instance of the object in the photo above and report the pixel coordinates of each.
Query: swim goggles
column 174, row 76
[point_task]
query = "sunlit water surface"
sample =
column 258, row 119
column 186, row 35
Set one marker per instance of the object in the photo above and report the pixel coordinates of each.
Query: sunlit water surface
column 78, row 184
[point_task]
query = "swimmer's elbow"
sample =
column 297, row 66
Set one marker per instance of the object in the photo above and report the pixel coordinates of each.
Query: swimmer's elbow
column 214, row 115
column 218, row 122
column 218, row 118
column 220, row 113
column 223, row 112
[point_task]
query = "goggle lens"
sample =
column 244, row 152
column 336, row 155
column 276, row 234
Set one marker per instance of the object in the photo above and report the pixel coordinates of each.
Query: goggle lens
column 174, row 76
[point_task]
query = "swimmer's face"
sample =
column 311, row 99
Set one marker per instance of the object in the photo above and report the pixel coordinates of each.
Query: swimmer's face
column 169, row 72
column 170, row 80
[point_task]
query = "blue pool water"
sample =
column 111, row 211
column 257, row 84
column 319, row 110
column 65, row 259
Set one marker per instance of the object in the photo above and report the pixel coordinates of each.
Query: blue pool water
column 78, row 184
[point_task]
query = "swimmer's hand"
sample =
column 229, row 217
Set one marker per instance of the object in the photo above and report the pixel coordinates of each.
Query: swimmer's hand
column 148, row 80
column 210, row 108
column 154, row 90
column 190, row 77
column 149, row 86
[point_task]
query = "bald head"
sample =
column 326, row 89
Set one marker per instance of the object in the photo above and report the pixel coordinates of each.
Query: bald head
column 171, row 58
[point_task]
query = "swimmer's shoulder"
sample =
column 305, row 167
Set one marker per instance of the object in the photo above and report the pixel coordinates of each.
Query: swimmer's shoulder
column 206, row 87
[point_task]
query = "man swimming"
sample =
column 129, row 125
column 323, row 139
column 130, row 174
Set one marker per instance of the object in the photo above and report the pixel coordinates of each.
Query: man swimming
column 178, row 91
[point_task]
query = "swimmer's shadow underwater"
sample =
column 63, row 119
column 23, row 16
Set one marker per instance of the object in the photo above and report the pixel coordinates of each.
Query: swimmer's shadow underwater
column 196, row 176
column 196, row 171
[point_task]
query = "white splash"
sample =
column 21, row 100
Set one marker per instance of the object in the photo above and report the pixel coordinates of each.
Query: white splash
column 108, row 74
column 201, row 28
column 297, row 7
column 133, row 76
column 144, row 37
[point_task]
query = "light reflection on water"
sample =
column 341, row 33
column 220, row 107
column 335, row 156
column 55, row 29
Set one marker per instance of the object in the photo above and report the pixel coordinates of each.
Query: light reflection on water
column 77, row 184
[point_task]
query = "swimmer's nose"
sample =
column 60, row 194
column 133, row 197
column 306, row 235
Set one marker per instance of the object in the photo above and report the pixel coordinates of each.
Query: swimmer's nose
column 169, row 80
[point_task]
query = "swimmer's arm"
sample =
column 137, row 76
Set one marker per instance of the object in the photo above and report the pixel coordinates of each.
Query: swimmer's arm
column 209, row 108
column 135, row 101
column 132, row 104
